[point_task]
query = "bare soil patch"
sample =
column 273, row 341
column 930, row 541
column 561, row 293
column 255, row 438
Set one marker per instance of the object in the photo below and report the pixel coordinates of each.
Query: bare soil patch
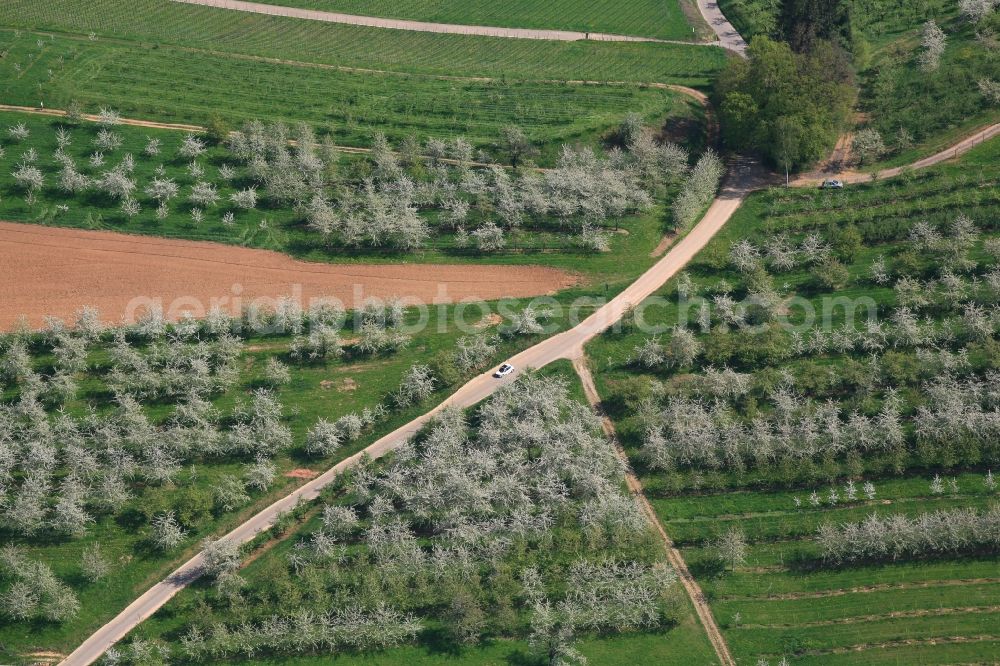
column 302, row 473
column 663, row 245
column 260, row 348
column 490, row 320
column 53, row 271
column 44, row 657
column 839, row 160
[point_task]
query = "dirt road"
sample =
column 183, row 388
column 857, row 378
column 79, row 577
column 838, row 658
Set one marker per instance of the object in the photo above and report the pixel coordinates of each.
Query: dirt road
column 54, row 271
column 690, row 585
column 850, row 176
column 745, row 177
column 421, row 26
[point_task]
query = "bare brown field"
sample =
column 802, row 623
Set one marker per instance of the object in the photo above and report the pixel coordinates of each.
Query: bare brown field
column 53, row 271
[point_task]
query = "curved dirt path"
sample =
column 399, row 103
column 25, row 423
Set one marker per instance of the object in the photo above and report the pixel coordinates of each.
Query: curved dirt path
column 690, row 585
column 568, row 344
column 836, row 163
column 55, row 271
column 424, row 26
column 90, row 117
column 851, row 176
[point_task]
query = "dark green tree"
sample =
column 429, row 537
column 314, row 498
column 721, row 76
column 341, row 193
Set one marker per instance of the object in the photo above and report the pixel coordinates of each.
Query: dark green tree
column 788, row 107
column 804, row 23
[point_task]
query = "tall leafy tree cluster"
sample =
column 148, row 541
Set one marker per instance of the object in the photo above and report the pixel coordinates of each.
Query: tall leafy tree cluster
column 788, row 107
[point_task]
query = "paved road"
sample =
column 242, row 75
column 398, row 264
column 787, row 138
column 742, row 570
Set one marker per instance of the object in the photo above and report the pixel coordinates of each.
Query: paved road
column 422, row 26
column 728, row 36
column 744, row 178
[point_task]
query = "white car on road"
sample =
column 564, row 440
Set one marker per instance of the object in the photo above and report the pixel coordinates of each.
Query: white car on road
column 503, row 371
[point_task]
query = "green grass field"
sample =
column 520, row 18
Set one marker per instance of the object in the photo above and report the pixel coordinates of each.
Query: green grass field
column 140, row 82
column 784, row 601
column 161, row 22
column 643, row 18
column 347, row 79
column 682, row 644
column 774, row 606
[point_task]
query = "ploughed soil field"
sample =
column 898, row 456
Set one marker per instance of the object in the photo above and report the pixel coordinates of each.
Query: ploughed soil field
column 54, row 271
